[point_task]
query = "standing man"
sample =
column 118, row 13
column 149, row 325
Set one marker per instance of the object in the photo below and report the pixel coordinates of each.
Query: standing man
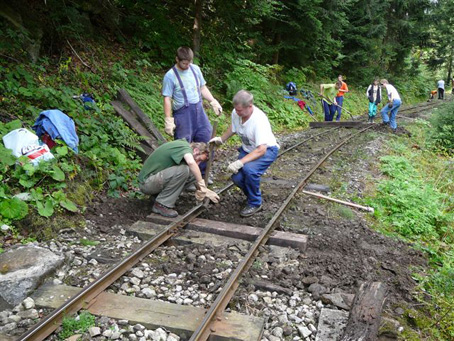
column 183, row 89
column 441, row 89
column 340, row 97
column 389, row 112
column 329, row 103
column 169, row 169
column 258, row 150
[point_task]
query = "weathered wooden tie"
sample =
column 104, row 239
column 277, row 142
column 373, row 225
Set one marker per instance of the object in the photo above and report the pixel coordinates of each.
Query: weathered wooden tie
column 180, row 319
column 345, row 124
column 249, row 233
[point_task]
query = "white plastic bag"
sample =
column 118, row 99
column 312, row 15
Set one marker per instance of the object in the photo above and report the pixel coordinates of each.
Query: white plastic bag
column 23, row 142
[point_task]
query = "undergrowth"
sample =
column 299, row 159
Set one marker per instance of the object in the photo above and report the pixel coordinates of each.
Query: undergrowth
column 414, row 201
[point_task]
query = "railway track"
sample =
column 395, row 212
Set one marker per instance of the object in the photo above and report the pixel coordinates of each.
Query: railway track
column 212, row 318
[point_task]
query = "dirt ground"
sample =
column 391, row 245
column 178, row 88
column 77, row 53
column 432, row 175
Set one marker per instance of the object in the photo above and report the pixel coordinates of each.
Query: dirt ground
column 343, row 250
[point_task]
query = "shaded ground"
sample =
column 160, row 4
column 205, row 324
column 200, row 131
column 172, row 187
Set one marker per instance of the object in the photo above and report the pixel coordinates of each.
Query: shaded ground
column 342, row 250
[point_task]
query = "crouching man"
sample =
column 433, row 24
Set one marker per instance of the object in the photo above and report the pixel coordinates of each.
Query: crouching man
column 170, row 168
column 258, row 150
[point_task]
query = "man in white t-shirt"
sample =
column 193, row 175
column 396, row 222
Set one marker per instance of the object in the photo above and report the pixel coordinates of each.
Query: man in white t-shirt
column 441, row 89
column 258, row 150
column 389, row 112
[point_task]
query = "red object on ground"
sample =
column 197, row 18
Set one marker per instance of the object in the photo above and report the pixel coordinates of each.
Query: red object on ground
column 302, row 104
column 48, row 140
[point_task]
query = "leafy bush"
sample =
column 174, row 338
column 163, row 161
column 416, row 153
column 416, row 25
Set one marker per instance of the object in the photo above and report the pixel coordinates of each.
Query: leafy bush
column 442, row 132
column 262, row 82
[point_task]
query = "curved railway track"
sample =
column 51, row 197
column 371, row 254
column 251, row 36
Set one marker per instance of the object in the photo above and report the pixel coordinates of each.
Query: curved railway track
column 50, row 323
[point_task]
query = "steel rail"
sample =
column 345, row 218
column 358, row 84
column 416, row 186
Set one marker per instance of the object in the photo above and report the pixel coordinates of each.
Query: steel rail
column 213, row 315
column 52, row 321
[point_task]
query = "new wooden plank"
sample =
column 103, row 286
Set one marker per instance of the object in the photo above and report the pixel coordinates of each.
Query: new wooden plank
column 124, row 96
column 135, row 125
column 180, row 319
column 285, row 239
column 345, row 124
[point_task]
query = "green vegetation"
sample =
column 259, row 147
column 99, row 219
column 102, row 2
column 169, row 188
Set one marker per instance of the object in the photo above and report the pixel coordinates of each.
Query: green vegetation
column 414, row 202
column 86, row 242
column 75, row 325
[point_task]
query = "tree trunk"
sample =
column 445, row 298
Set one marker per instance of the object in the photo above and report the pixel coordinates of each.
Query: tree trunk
column 276, row 42
column 365, row 315
column 197, row 27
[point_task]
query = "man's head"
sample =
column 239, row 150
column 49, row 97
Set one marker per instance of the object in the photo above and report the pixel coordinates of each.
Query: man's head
column 184, row 57
column 200, row 151
column 338, row 85
column 383, row 82
column 243, row 102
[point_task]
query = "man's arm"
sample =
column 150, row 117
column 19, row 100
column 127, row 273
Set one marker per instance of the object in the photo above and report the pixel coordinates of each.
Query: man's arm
column 167, row 106
column 213, row 101
column 228, row 134
column 255, row 154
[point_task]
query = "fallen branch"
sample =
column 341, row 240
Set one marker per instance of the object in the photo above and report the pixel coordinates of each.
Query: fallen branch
column 77, row 55
column 365, row 208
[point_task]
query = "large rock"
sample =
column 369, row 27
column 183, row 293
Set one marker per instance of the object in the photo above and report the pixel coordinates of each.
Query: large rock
column 22, row 269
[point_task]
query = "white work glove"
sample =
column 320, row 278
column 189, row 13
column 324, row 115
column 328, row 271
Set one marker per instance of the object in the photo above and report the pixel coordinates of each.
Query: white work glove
column 216, row 107
column 203, row 192
column 234, row 167
column 169, row 125
column 216, row 140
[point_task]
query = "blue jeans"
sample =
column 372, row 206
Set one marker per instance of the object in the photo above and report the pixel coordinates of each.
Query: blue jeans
column 338, row 108
column 193, row 125
column 389, row 114
column 248, row 177
column 328, row 109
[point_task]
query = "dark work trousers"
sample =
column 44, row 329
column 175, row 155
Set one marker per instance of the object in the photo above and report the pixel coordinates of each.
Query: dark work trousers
column 329, row 110
column 441, row 93
column 193, row 125
column 338, row 107
column 248, row 177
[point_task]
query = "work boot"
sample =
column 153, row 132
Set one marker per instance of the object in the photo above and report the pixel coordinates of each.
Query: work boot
column 250, row 210
column 163, row 210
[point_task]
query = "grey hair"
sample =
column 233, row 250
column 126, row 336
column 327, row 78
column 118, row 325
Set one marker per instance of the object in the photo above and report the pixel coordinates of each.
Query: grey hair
column 243, row 98
column 384, row 81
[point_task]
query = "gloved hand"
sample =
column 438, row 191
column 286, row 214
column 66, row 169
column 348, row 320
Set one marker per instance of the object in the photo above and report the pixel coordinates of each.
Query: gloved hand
column 234, row 167
column 203, row 192
column 390, row 104
column 216, row 140
column 216, row 107
column 169, row 125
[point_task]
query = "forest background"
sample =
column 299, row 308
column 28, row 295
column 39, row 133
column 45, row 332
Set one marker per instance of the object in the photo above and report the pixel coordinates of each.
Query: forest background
column 53, row 50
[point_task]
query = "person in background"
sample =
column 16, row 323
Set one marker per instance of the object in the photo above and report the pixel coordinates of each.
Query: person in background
column 329, row 103
column 340, row 97
column 169, row 169
column 258, row 151
column 373, row 93
column 184, row 89
column 441, row 89
column 389, row 111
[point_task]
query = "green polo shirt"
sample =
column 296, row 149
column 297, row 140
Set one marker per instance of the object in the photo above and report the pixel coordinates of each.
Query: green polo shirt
column 165, row 156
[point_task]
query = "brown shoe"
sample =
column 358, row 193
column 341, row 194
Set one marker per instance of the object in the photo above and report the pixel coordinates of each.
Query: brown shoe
column 163, row 210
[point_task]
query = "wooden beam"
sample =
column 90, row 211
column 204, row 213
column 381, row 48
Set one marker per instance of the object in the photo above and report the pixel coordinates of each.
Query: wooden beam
column 365, row 315
column 345, row 124
column 278, row 238
column 146, row 121
column 134, row 124
column 180, row 319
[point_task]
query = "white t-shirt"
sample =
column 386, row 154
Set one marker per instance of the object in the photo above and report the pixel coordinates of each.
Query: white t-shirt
column 391, row 90
column 255, row 131
column 441, row 84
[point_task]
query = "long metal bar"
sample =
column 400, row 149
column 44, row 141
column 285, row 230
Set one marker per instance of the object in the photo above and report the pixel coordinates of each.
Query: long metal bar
column 209, row 322
column 317, row 195
column 51, row 322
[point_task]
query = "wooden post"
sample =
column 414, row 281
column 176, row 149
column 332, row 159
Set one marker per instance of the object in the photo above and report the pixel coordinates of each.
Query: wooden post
column 369, row 209
column 365, row 315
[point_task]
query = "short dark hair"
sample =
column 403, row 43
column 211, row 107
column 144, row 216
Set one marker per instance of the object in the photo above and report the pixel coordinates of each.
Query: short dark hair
column 185, row 53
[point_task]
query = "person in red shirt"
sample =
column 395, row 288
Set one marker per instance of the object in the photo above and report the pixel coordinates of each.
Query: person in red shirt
column 340, row 97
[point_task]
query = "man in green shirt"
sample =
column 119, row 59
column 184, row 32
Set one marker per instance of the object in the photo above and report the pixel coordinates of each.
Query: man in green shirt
column 169, row 169
column 328, row 93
